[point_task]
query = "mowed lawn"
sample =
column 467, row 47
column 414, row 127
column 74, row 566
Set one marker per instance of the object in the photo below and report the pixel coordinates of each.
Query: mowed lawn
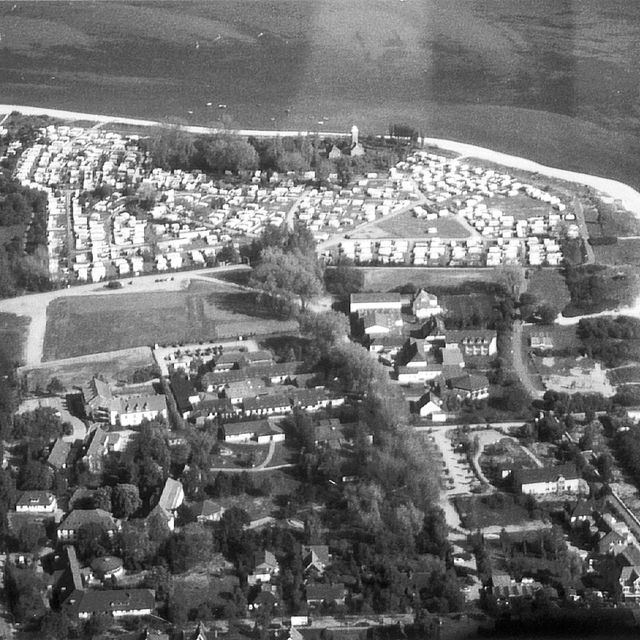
column 388, row 278
column 92, row 324
column 406, row 225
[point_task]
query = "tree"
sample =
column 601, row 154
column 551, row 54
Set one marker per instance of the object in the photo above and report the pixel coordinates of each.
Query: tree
column 35, row 475
column 31, row 536
column 55, row 626
column 125, row 499
column 101, row 498
column 136, row 547
column 188, row 547
column 55, row 386
column 510, row 277
column 92, row 542
column 224, row 152
column 282, row 276
column 344, row 278
column 324, row 329
column 344, row 170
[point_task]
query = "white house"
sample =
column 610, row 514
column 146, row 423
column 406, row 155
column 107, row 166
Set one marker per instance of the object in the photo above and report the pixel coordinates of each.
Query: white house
column 559, row 479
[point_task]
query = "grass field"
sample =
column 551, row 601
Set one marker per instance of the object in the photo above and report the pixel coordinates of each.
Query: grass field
column 485, row 511
column 92, row 324
column 548, row 285
column 623, row 252
column 13, row 330
column 625, row 375
column 387, row 278
column 115, row 366
column 406, row 225
column 520, row 207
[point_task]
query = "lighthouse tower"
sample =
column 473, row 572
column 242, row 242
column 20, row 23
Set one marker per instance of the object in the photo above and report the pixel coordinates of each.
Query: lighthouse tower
column 354, row 136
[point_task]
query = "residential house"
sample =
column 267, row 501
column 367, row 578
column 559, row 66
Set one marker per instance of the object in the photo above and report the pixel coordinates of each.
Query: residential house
column 266, row 405
column 98, row 399
column 171, row 498
column 582, row 512
column 328, row 432
column 506, row 589
column 547, row 480
column 429, row 406
column 69, row 527
column 241, row 390
column 130, row 411
column 471, row 386
column 382, row 323
column 541, row 340
column 266, row 566
column 614, row 542
column 59, row 454
column 37, row 502
column 629, row 582
column 184, row 393
column 360, row 302
column 211, row 408
column 310, row 399
column 95, row 448
column 208, row 511
column 425, row 305
column 315, row 558
column 115, row 602
column 325, row 593
column 474, row 342
column 68, row 578
column 262, row 431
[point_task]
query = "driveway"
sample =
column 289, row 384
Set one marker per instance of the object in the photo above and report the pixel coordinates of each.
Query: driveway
column 517, row 359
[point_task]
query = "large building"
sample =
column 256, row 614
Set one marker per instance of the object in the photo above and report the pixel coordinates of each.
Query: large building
column 548, row 480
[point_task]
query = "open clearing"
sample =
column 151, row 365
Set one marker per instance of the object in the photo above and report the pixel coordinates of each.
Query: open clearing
column 115, row 366
column 406, row 225
column 387, row 278
column 548, row 285
column 625, row 251
column 92, row 324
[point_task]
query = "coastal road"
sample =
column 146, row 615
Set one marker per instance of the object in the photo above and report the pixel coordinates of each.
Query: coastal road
column 34, row 305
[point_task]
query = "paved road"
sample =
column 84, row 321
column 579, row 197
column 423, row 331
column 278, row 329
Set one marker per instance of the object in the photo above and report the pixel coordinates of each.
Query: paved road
column 34, row 305
column 519, row 366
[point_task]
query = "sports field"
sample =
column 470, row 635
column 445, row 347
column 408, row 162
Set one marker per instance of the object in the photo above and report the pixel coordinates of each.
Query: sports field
column 91, row 324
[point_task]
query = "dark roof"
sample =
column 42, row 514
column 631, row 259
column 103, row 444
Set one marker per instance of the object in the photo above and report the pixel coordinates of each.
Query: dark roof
column 469, row 382
column 267, row 402
column 325, row 592
column 359, row 298
column 219, row 378
column 244, row 427
column 79, row 517
column 546, row 474
column 182, row 389
column 112, row 600
column 470, row 336
column 308, row 396
column 59, row 453
column 35, row 498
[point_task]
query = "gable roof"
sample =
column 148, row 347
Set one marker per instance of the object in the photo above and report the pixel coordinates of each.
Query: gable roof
column 546, row 474
column 325, row 592
column 112, row 600
column 369, row 298
column 630, row 574
column 79, row 517
column 172, row 495
column 35, row 499
column 59, row 453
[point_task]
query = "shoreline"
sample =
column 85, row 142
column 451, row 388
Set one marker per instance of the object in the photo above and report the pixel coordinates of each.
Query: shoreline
column 627, row 195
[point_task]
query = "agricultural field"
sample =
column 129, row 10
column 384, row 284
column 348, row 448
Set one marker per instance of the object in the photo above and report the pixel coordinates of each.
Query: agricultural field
column 388, row 278
column 92, row 324
column 115, row 366
column 13, row 330
column 407, row 225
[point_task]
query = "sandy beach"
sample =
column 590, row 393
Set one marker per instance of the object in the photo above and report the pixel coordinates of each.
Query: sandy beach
column 629, row 197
